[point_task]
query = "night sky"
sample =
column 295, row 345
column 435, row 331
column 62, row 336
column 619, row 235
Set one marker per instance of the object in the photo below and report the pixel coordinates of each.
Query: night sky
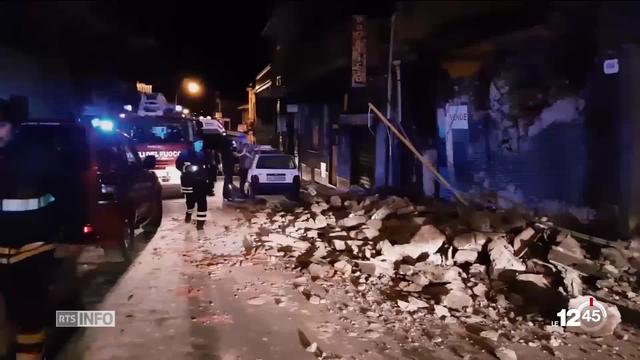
column 146, row 41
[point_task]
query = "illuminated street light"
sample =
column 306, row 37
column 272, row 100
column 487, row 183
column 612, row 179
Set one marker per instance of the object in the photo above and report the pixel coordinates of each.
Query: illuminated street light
column 185, row 111
column 128, row 107
column 122, row 115
column 193, row 87
column 178, row 108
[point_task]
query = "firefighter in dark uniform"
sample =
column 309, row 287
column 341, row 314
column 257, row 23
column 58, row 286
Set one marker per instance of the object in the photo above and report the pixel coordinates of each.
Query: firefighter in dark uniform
column 229, row 159
column 28, row 225
column 194, row 165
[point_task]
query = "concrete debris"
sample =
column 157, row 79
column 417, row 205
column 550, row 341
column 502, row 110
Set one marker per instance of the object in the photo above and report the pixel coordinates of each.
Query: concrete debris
column 320, row 222
column 339, row 245
column 502, row 258
column 615, row 258
column 480, row 290
column 381, row 213
column 470, row 241
column 506, row 354
column 342, row 267
column 441, row 270
column 568, row 245
column 374, row 224
column 441, row 311
column 465, row 256
column 537, row 279
column 256, row 300
column 490, row 334
column 312, row 348
column 572, row 281
column 457, row 300
column 522, row 241
column 320, row 270
column 375, row 267
column 352, row 221
column 611, row 321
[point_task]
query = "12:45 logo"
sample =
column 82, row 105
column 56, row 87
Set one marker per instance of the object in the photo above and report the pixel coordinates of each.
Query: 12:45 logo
column 589, row 315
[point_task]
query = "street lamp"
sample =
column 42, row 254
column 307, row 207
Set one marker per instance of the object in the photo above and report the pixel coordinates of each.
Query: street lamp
column 192, row 88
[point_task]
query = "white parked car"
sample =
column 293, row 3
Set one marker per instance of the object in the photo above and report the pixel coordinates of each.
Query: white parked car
column 273, row 174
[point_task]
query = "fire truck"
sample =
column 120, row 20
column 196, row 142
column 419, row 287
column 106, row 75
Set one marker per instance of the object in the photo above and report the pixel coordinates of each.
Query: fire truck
column 157, row 129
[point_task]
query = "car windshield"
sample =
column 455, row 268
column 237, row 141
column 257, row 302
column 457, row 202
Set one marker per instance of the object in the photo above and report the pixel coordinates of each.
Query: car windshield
column 276, row 162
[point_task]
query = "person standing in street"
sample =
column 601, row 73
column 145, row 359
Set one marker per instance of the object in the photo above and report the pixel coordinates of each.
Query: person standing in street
column 229, row 158
column 245, row 158
column 194, row 165
column 29, row 225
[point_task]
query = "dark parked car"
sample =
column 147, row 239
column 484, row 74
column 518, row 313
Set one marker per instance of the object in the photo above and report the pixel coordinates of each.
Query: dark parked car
column 108, row 190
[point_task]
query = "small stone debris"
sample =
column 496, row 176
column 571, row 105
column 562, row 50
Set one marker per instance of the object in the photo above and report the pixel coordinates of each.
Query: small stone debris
column 503, row 353
column 256, row 301
column 335, row 201
column 352, row 221
column 490, row 334
column 460, row 266
column 502, row 258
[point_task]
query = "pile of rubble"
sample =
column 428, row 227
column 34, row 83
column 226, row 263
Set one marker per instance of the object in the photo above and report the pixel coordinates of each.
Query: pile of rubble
column 455, row 264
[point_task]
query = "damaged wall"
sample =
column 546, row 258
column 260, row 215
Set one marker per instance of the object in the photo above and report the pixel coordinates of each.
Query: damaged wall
column 541, row 130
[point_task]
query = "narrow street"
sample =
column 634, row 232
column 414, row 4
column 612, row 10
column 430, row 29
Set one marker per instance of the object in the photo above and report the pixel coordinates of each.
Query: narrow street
column 220, row 294
column 192, row 295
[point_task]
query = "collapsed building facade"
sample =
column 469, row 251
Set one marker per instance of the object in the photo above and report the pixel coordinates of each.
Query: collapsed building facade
column 518, row 104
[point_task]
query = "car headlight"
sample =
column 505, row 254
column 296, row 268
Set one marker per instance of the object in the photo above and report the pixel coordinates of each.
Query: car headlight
column 192, row 168
column 107, row 189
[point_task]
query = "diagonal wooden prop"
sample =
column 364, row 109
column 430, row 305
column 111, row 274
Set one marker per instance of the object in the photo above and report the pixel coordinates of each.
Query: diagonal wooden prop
column 419, row 156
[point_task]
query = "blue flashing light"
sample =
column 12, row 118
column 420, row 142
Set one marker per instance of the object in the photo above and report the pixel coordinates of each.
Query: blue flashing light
column 106, row 125
column 103, row 124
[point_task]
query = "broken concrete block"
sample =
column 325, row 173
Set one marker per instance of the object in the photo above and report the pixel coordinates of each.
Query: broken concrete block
column 381, row 213
column 540, row 267
column 374, row 224
column 370, row 233
column 490, row 334
column 568, row 245
column 506, row 354
column 611, row 321
column 405, row 269
column 320, row 222
column 321, row 251
column 615, row 257
column 438, row 274
column 352, row 221
column 320, row 270
column 405, row 306
column 441, row 311
column 480, row 290
column 342, row 267
column 572, row 281
column 465, row 256
column 537, row 279
column 315, row 300
column 480, row 221
column 375, row 267
column 312, row 234
column 335, row 201
column 427, row 240
column 502, row 258
column 457, row 300
column 339, row 245
column 522, row 241
column 419, row 304
column 470, row 241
